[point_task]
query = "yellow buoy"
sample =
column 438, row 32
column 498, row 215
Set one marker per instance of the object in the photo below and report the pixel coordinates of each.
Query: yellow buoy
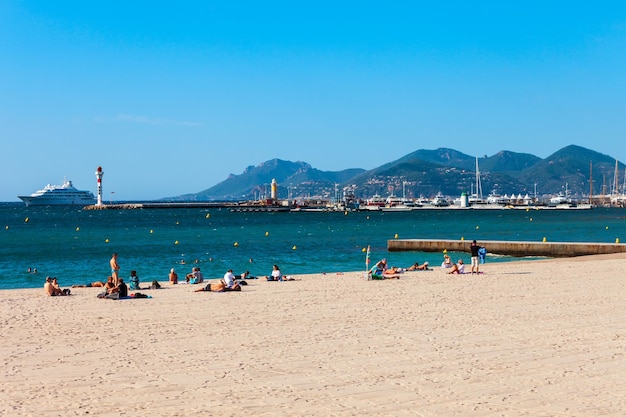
column 617, row 240
column 235, row 244
column 462, row 238
column 294, row 247
column 26, row 220
column 151, row 231
column 395, row 236
column 78, row 229
column 267, row 233
column 607, row 228
column 445, row 251
column 207, row 215
column 545, row 240
column 176, row 242
column 364, row 250
column 106, row 241
column 527, row 209
column 345, row 213
column 6, row 227
column 477, row 227
column 531, row 219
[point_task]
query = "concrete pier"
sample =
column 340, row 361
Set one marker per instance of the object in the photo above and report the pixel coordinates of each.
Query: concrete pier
column 512, row 248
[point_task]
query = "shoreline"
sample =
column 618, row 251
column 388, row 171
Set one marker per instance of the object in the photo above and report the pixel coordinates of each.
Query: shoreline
column 524, row 338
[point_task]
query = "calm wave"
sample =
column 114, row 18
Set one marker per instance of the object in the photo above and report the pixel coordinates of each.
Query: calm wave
column 76, row 245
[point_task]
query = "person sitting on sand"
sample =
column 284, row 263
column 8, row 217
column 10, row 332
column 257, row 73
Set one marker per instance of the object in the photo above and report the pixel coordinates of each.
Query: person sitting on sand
column 195, row 277
column 49, row 288
column 276, row 275
column 58, row 289
column 379, row 268
column 380, row 271
column 122, row 289
column 229, row 279
column 447, row 262
column 90, row 284
column 458, row 268
column 173, row 277
column 133, row 281
column 119, row 291
column 109, row 285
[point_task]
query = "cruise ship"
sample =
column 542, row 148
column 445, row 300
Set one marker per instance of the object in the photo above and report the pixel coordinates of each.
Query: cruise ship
column 59, row 195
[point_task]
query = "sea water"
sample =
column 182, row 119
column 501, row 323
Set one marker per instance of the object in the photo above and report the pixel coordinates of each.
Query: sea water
column 75, row 245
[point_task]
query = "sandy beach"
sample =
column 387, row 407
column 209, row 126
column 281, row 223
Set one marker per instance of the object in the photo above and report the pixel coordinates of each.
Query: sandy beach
column 540, row 338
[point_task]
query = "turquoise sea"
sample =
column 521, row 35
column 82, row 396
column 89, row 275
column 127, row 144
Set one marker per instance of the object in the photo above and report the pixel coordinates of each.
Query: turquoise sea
column 75, row 245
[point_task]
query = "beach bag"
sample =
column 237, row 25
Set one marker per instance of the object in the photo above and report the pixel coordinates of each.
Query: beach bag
column 155, row 285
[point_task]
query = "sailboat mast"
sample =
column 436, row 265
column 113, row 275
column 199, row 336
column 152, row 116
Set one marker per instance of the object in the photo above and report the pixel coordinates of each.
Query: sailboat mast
column 615, row 180
column 590, row 182
column 479, row 189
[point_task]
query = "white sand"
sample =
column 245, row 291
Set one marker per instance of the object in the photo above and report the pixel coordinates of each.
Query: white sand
column 543, row 338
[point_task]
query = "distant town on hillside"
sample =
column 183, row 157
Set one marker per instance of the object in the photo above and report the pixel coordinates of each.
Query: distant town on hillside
column 573, row 171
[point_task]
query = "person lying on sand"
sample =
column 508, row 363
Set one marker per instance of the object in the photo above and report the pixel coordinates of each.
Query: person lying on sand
column 389, row 273
column 90, row 284
column 219, row 287
column 417, row 267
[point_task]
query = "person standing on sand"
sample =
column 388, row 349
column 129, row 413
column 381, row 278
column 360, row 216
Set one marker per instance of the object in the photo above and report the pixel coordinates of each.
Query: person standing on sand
column 474, row 249
column 115, row 269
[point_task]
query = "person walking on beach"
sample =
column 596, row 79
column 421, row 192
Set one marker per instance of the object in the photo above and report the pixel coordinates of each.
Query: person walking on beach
column 115, row 269
column 474, row 249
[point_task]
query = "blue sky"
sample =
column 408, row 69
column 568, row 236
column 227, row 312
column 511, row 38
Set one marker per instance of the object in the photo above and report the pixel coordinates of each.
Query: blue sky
column 172, row 97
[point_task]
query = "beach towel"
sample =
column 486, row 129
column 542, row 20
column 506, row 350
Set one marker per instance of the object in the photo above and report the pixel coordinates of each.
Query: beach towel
column 482, row 253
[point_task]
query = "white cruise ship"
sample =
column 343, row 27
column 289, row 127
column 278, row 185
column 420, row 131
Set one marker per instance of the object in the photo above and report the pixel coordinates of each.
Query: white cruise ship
column 59, row 195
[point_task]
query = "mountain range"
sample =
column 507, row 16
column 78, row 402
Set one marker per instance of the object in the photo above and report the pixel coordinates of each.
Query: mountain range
column 425, row 173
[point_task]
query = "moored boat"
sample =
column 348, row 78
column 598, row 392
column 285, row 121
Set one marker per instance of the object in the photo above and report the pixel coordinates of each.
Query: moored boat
column 59, row 195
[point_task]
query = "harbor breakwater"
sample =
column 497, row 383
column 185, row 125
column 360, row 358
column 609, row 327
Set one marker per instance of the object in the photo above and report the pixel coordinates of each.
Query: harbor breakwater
column 509, row 248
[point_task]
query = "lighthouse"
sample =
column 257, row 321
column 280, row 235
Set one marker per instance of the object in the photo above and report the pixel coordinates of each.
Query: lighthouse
column 274, row 194
column 99, row 174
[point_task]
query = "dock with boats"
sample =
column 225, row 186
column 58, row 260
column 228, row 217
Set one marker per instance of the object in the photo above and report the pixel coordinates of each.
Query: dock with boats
column 509, row 248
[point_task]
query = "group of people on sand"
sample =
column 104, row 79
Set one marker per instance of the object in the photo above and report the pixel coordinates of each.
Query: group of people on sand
column 52, row 288
column 115, row 287
column 381, row 270
column 459, row 267
column 228, row 283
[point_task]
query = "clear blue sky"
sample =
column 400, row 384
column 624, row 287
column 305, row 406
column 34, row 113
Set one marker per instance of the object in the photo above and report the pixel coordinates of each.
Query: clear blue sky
column 172, row 97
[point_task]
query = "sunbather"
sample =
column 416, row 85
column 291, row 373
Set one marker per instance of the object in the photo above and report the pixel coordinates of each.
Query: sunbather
column 458, row 268
column 417, row 267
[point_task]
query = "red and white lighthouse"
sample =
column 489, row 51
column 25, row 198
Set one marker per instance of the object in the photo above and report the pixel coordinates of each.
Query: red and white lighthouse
column 99, row 174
